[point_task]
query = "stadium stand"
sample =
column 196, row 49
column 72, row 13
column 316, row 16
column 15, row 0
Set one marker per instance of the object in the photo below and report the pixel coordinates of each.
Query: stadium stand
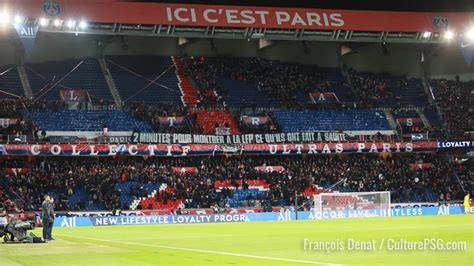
column 95, row 183
column 210, row 92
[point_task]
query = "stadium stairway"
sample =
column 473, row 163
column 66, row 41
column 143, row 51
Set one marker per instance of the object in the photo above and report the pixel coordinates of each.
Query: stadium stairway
column 432, row 115
column 390, row 119
column 190, row 97
column 208, row 119
column 423, row 117
column 25, row 83
column 110, row 81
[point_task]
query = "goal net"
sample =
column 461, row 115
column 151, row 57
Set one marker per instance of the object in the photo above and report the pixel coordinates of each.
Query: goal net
column 353, row 204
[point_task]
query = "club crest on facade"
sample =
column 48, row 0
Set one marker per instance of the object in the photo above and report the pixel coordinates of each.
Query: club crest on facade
column 51, row 8
column 440, row 22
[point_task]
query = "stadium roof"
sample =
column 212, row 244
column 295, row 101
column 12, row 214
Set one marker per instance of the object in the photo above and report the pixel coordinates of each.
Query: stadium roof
column 260, row 21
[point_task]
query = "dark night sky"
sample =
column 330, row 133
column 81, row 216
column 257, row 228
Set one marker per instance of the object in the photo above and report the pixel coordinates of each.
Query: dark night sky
column 395, row 5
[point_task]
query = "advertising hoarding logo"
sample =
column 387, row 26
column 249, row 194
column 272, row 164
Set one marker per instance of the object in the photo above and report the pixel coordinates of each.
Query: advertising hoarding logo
column 27, row 34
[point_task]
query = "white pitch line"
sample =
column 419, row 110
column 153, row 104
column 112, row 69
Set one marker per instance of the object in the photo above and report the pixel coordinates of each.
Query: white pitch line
column 204, row 251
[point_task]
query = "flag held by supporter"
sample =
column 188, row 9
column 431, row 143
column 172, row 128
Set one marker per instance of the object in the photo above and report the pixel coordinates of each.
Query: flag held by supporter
column 75, row 95
column 184, row 170
column 171, row 121
column 7, row 122
column 255, row 120
column 17, row 171
column 416, row 166
column 410, row 122
column 324, row 98
column 269, row 168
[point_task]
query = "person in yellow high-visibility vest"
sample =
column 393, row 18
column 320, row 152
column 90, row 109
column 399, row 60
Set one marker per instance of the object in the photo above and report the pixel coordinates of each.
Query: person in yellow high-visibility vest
column 467, row 204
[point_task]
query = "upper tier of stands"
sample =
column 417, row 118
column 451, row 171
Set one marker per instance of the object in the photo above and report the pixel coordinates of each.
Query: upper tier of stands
column 10, row 82
column 239, row 81
column 84, row 120
column 151, row 79
column 242, row 82
column 312, row 120
column 47, row 79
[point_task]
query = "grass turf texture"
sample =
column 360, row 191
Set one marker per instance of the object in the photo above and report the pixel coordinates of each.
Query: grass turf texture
column 255, row 243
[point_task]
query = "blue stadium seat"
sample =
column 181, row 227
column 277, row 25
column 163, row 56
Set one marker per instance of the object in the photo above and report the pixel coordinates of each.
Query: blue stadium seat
column 243, row 194
column 88, row 120
column 133, row 73
column 87, row 76
column 313, row 120
column 243, row 93
column 79, row 195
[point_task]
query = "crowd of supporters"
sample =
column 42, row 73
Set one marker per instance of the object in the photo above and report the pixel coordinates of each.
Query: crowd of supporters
column 457, row 102
column 13, row 121
column 431, row 178
column 279, row 80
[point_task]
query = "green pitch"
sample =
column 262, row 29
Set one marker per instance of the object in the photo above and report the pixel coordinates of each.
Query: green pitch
column 255, row 243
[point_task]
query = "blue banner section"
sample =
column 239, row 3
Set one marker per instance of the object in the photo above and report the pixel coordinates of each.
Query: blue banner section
column 252, row 217
column 27, row 35
column 444, row 144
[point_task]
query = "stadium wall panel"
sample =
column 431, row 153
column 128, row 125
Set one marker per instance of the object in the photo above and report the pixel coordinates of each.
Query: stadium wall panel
column 251, row 217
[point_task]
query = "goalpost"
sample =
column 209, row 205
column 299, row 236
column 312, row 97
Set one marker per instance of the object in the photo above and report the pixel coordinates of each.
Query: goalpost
column 354, row 203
